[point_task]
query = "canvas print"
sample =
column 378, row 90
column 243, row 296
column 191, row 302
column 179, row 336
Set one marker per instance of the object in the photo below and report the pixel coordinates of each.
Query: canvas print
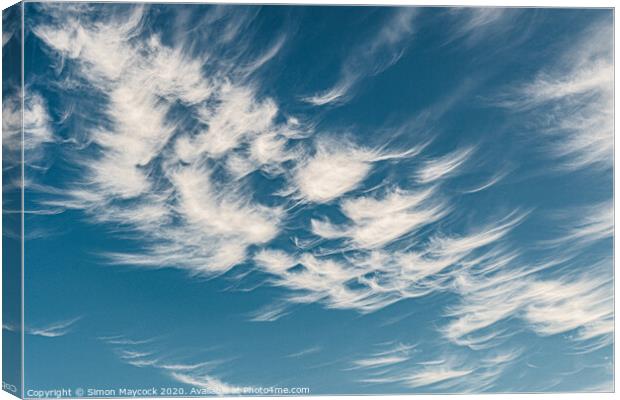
column 305, row 200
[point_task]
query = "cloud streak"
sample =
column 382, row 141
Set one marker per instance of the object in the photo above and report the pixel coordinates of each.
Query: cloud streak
column 140, row 354
column 375, row 56
column 453, row 373
column 573, row 102
column 444, row 166
column 580, row 303
column 338, row 168
column 53, row 330
column 395, row 355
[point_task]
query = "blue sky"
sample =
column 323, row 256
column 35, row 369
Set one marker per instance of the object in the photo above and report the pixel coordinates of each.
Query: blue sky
column 353, row 200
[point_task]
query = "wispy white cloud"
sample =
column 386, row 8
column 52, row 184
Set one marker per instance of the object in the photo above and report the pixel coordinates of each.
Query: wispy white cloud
column 270, row 313
column 52, row 330
column 122, row 340
column 589, row 310
column 209, row 383
column 36, row 125
column 440, row 372
column 227, row 219
column 239, row 115
column 452, row 372
column 339, row 167
column 579, row 302
column 442, row 246
column 305, row 352
column 375, row 56
column 10, row 25
column 330, row 174
column 464, row 374
column 6, row 36
column 444, row 166
column 140, row 354
column 605, row 386
column 595, row 223
column 333, row 95
column 395, row 355
column 12, row 125
column 474, row 25
column 377, row 222
column 275, row 261
column 370, row 280
column 494, row 179
column 571, row 102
